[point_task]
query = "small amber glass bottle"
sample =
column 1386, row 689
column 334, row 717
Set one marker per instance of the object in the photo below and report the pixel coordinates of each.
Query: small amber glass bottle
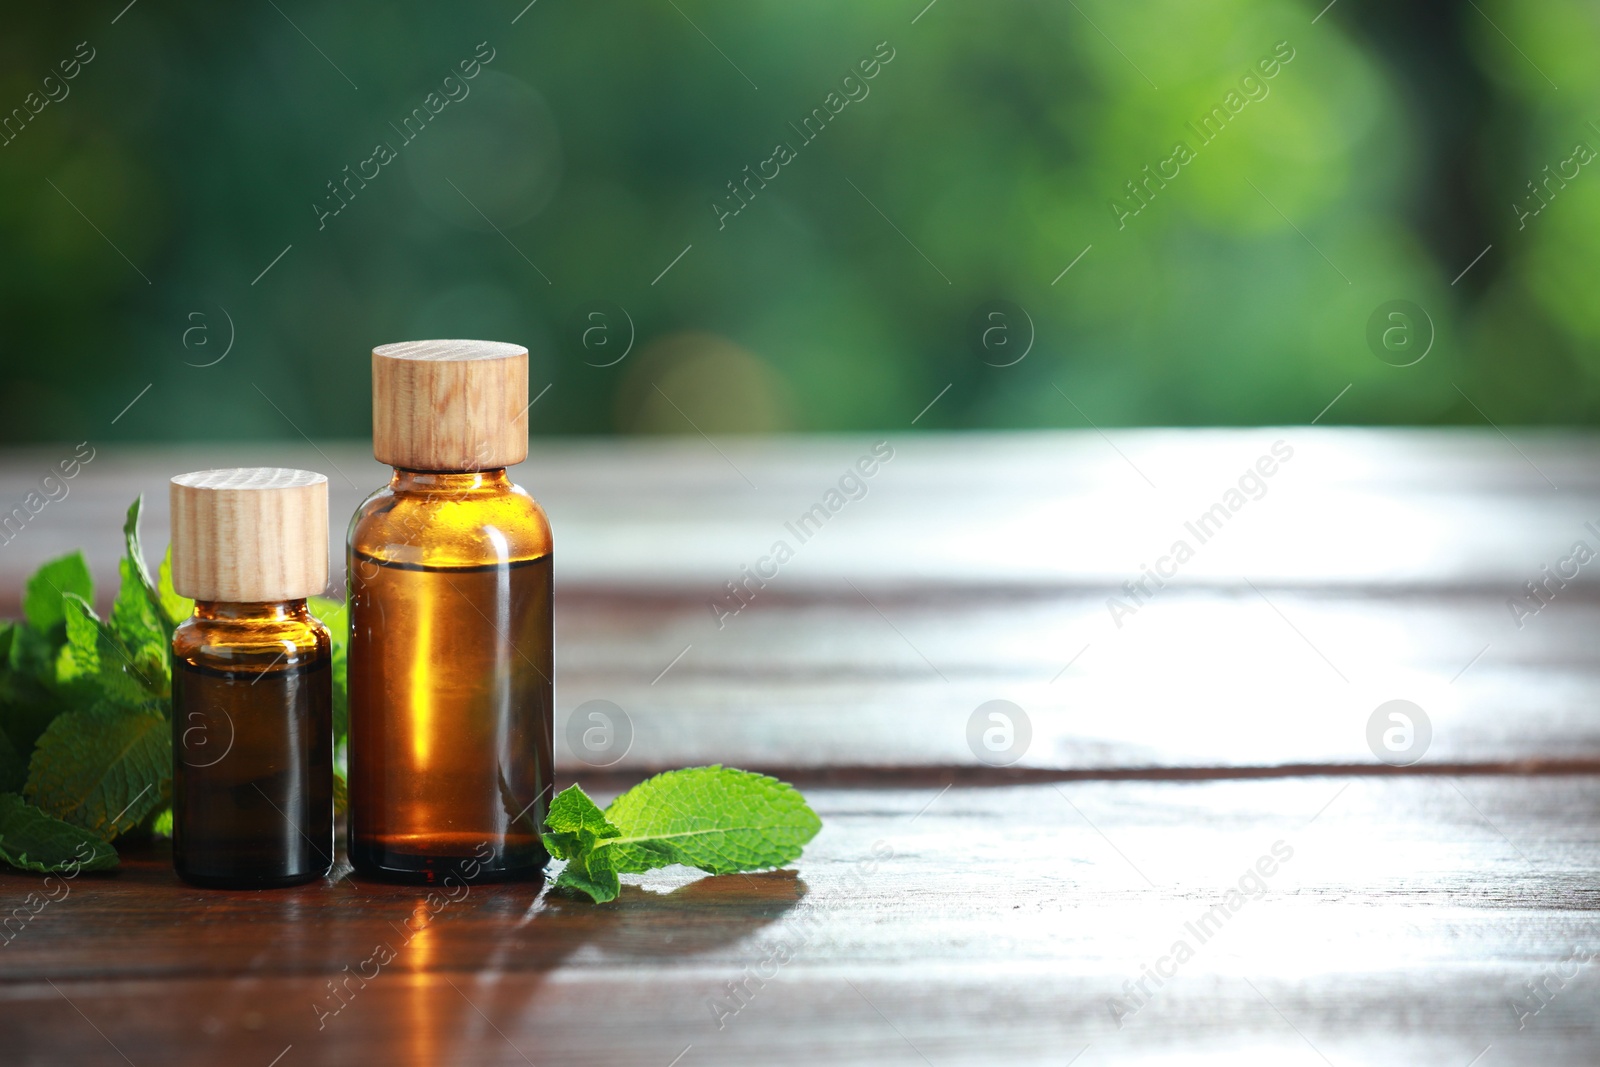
column 451, row 664
column 252, row 682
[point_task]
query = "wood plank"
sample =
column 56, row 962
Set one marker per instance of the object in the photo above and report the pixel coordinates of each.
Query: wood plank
column 1194, row 680
column 1353, row 508
column 875, row 646
column 1002, row 920
column 998, row 925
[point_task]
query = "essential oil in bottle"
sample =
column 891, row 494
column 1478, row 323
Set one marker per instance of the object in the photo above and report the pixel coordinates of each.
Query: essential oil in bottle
column 252, row 680
column 451, row 648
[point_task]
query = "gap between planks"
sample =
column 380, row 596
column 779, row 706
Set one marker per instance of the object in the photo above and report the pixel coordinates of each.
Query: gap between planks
column 920, row 777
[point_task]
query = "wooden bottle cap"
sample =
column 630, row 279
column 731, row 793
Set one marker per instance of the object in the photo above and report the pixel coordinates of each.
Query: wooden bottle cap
column 249, row 534
column 450, row 405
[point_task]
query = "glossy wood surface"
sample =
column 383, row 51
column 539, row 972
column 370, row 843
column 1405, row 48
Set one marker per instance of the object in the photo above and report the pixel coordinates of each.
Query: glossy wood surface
column 953, row 912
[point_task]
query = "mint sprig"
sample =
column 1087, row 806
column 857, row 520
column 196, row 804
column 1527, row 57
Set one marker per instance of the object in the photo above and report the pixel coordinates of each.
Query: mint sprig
column 86, row 748
column 30, row 840
column 85, row 743
column 719, row 819
column 103, row 770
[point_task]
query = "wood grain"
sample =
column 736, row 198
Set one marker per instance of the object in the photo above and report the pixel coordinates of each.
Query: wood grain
column 249, row 534
column 450, row 405
column 874, row 646
column 1012, row 911
column 1199, row 679
column 997, row 925
column 1360, row 511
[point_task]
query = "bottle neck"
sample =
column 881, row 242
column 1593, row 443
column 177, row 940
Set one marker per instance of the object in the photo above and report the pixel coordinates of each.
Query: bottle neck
column 493, row 479
column 253, row 611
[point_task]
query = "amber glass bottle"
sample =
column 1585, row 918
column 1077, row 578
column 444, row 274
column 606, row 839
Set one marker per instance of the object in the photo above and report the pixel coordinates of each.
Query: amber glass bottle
column 252, row 696
column 450, row 659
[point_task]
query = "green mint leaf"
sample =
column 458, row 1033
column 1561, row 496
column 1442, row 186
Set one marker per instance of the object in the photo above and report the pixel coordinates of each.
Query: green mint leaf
column 139, row 618
column 34, row 841
column 33, row 655
column 26, row 704
column 576, row 826
column 80, row 656
column 177, row 607
column 26, row 708
column 592, row 877
column 96, row 666
column 575, row 823
column 335, row 615
column 34, row 644
column 41, row 599
column 161, row 825
column 103, row 770
column 140, row 578
column 719, row 819
column 140, row 630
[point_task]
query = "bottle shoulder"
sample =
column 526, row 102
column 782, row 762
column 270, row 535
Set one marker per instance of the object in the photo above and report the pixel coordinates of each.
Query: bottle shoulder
column 252, row 644
column 442, row 528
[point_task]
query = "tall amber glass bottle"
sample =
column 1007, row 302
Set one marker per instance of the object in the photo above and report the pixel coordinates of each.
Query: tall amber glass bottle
column 451, row 664
column 252, row 685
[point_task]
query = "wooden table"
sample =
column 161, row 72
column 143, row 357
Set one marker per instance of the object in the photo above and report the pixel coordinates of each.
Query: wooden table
column 1196, row 855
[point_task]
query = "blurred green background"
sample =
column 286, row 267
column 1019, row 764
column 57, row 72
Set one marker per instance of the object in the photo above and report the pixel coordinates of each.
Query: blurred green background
column 571, row 189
